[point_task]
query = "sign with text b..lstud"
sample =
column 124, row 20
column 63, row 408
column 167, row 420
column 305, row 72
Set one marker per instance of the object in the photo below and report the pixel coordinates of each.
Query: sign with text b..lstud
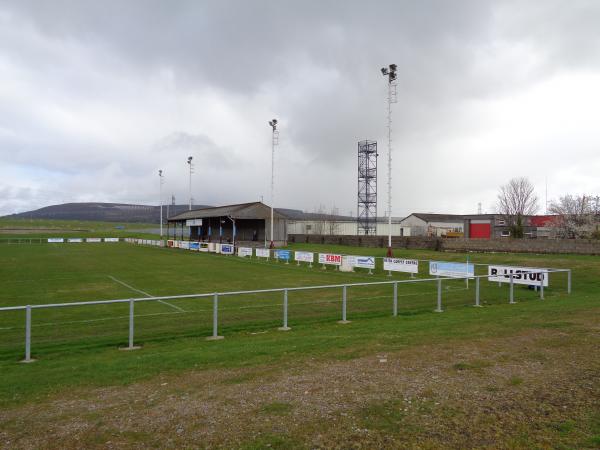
column 530, row 276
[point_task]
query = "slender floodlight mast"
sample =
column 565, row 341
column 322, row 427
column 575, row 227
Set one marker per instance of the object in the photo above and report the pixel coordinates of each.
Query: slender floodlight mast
column 390, row 73
column 189, row 161
column 160, row 175
column 274, row 142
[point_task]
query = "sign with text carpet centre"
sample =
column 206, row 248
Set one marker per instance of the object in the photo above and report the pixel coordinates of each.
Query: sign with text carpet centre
column 245, row 251
column 330, row 258
column 401, row 265
column 308, row 257
column 451, row 269
column 364, row 262
column 263, row 253
column 227, row 249
column 530, row 276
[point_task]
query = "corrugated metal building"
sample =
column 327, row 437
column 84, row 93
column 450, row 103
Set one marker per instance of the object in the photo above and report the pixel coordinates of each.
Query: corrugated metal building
column 248, row 222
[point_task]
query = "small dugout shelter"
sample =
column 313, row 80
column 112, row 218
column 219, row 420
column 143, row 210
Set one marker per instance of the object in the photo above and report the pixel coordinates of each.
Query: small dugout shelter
column 244, row 222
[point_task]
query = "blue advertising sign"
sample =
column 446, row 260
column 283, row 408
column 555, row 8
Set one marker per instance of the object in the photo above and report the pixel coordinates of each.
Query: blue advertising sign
column 227, row 249
column 283, row 254
column 194, row 246
column 451, row 269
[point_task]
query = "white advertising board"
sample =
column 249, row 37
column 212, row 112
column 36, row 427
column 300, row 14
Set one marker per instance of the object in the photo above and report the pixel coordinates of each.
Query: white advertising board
column 227, row 249
column 401, row 265
column 75, row 240
column 308, row 257
column 212, row 247
column 364, row 262
column 93, row 240
column 111, row 239
column 55, row 240
column 184, row 244
column 330, row 258
column 530, row 276
column 245, row 251
column 451, row 269
column 193, row 222
column 203, row 247
column 263, row 253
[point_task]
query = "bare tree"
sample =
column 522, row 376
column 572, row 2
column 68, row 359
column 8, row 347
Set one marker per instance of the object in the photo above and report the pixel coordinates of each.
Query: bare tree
column 515, row 200
column 577, row 216
column 319, row 220
column 332, row 221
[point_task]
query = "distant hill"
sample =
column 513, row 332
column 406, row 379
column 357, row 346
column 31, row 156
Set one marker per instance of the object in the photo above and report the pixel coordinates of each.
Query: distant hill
column 105, row 212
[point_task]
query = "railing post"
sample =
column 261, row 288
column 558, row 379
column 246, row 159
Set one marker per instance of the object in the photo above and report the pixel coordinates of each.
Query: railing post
column 27, row 335
column 542, row 285
column 395, row 299
column 344, row 295
column 569, row 281
column 131, row 345
column 285, row 312
column 215, row 336
column 439, row 295
column 512, row 290
column 477, row 302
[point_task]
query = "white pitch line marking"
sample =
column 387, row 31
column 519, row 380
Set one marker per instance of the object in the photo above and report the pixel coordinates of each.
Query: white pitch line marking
column 145, row 293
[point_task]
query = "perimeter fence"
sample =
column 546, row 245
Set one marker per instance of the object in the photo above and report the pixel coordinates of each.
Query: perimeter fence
column 247, row 310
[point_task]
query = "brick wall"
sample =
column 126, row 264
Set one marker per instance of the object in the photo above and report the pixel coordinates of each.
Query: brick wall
column 578, row 246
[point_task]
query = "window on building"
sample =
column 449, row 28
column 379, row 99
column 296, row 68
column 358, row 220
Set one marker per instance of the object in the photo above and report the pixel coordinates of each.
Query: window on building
column 505, row 233
column 500, row 222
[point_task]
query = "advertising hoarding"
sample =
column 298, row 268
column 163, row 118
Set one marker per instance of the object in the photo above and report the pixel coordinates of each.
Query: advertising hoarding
column 330, row 258
column 401, row 265
column 530, row 276
column 263, row 253
column 227, row 249
column 56, row 240
column 451, row 269
column 364, row 262
column 284, row 255
column 308, row 257
column 245, row 251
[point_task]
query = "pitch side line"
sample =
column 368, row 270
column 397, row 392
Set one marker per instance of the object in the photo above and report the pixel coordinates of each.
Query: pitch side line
column 145, row 293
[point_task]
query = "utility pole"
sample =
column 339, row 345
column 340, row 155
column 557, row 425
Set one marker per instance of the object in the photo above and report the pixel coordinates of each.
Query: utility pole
column 390, row 73
column 160, row 175
column 274, row 142
column 189, row 161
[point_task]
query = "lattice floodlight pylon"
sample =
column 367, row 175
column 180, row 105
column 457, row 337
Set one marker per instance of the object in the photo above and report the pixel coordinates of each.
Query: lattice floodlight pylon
column 367, row 188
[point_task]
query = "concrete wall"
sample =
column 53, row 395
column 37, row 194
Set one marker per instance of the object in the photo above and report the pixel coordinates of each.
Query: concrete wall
column 579, row 246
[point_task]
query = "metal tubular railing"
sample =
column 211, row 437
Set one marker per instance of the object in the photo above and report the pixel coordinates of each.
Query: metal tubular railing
column 438, row 280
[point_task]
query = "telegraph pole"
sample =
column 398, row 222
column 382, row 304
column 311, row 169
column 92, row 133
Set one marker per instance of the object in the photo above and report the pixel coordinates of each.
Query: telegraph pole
column 274, row 142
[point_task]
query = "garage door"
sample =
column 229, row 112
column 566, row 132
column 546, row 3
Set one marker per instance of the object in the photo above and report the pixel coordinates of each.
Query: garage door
column 480, row 231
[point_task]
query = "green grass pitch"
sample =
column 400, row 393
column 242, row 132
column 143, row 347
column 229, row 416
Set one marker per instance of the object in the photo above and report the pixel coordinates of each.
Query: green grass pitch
column 78, row 345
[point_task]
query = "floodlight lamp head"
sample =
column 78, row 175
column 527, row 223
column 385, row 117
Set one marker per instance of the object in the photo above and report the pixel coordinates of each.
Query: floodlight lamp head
column 393, row 67
column 160, row 173
column 384, row 71
column 189, row 160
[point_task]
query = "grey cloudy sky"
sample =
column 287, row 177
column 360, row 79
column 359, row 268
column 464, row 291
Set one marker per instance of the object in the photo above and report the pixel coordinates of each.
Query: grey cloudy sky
column 96, row 96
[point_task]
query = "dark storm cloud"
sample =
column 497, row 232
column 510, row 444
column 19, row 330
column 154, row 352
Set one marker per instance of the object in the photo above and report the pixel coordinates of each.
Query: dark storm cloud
column 108, row 71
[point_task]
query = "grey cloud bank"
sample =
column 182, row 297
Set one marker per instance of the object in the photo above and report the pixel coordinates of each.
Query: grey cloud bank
column 95, row 97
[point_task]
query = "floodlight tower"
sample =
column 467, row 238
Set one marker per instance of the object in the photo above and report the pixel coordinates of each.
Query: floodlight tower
column 161, row 177
column 274, row 142
column 189, row 161
column 390, row 73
